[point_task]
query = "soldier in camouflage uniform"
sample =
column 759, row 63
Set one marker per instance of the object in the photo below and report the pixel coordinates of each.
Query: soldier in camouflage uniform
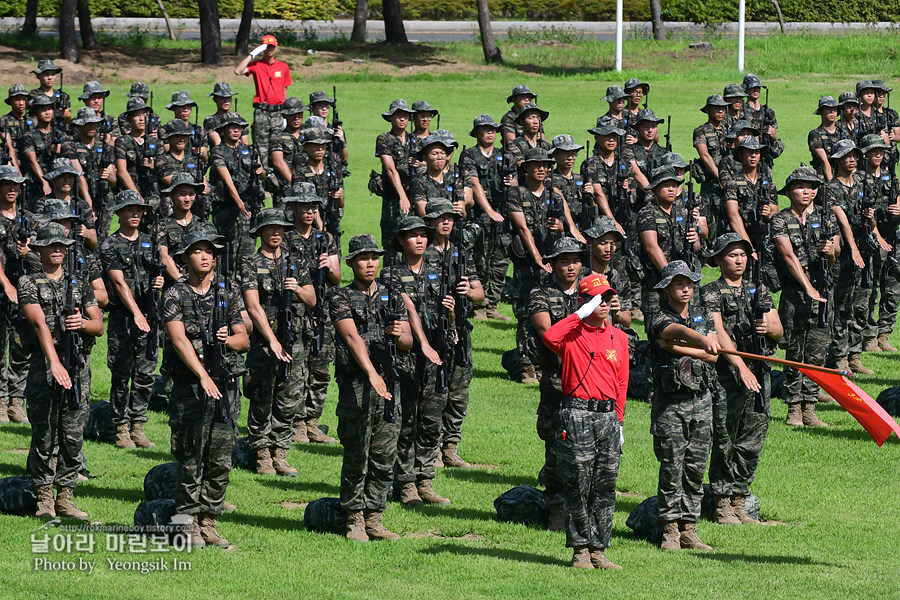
column 569, row 183
column 178, row 158
column 741, row 416
column 203, row 412
column 848, row 125
column 422, row 116
column 141, row 90
column 734, row 95
column 729, row 166
column 865, row 93
column 603, row 238
column 38, row 147
column 751, row 195
column 617, row 99
column 223, row 96
column 548, row 305
column 434, row 181
column 637, row 91
column 321, row 254
column 684, row 382
column 803, row 234
column 284, row 148
column 365, row 313
column 316, row 164
column 320, row 105
column 709, row 141
column 127, row 259
column 182, row 194
column 94, row 157
column 886, row 117
column 46, row 73
column 645, row 154
column 510, row 128
column 14, row 123
column 62, row 181
column 391, row 149
column 531, row 119
column 94, row 96
column 135, row 155
column 58, row 415
column 823, row 138
column 275, row 382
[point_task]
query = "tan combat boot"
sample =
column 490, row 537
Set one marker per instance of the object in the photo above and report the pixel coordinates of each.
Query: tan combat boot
column 857, row 367
column 228, row 507
column 599, row 560
column 65, row 507
column 739, row 503
column 299, row 434
column 356, row 526
column 196, row 539
column 4, row 407
column 409, row 495
column 825, row 396
column 16, row 411
column 123, row 436
column 137, row 436
column 494, row 313
column 450, row 457
column 45, row 508
column 480, row 314
column 810, row 419
column 280, row 463
column 581, row 558
column 725, row 512
column 871, row 345
column 264, row 462
column 529, row 375
column 208, row 531
column 428, row 495
column 376, row 531
column 689, row 539
column 843, row 365
column 190, row 529
column 671, row 537
column 557, row 519
column 316, row 435
column 794, row 415
column 884, row 342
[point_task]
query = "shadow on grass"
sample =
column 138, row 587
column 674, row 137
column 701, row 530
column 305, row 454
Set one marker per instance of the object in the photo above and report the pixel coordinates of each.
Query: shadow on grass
column 501, row 553
column 490, row 374
column 160, row 456
column 324, row 449
column 456, row 512
column 627, row 504
column 557, row 71
column 11, row 469
column 95, row 491
column 22, row 430
column 762, row 559
column 266, row 522
column 490, row 477
column 293, row 485
column 857, row 433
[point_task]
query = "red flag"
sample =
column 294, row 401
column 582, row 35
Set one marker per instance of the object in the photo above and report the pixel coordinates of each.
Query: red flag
column 869, row 413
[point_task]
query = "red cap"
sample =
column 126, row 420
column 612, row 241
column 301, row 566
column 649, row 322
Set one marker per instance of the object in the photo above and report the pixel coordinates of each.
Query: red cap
column 270, row 40
column 594, row 285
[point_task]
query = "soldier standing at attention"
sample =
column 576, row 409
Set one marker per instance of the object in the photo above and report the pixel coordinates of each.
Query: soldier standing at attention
column 14, row 249
column 645, row 154
column 141, row 90
column 46, row 73
column 38, row 147
column 320, row 105
column 58, row 395
column 391, row 148
column 567, row 182
column 314, row 164
column 88, row 153
column 709, row 141
column 822, row 139
column 589, row 437
column 179, row 158
column 531, row 119
column 182, row 195
column 136, row 154
column 271, row 77
column 617, row 99
column 16, row 122
column 285, row 147
column 223, row 96
column 203, row 413
column 510, row 128
column 62, row 180
column 365, row 314
column 422, row 116
column 749, row 191
column 848, row 125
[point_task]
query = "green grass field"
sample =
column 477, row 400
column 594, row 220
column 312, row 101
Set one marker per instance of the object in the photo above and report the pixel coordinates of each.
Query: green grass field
column 833, row 491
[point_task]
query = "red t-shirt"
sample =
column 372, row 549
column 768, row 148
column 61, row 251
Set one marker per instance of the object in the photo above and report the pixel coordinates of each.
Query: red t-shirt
column 603, row 376
column 270, row 80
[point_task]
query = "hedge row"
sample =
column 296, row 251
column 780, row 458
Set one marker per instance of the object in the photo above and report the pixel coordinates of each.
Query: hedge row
column 706, row 11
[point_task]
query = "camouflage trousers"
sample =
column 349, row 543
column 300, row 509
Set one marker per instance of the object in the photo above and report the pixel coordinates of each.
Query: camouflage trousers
column 202, row 445
column 236, row 230
column 265, row 124
column 520, row 312
column 127, row 361
column 14, row 370
column 885, row 277
column 370, row 444
column 849, row 307
column 588, row 464
column 652, row 300
column 273, row 403
column 682, row 433
column 491, row 263
column 547, row 430
column 713, row 198
column 390, row 219
column 318, row 376
column 457, row 405
column 420, row 427
column 804, row 341
column 738, row 435
column 55, row 428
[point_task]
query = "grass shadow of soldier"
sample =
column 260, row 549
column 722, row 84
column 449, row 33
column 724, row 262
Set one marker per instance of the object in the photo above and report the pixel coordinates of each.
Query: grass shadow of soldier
column 300, row 487
column 763, row 559
column 500, row 553
column 488, row 476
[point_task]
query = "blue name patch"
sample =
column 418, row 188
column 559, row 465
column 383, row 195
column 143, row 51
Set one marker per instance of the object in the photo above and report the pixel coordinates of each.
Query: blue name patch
column 679, row 219
column 432, row 276
column 814, row 225
column 384, row 298
column 145, row 244
column 698, row 319
column 245, row 152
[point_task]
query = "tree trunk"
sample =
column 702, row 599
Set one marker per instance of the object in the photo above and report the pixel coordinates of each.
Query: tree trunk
column 780, row 18
column 242, row 40
column 394, row 32
column 491, row 51
column 68, row 45
column 165, row 14
column 88, row 41
column 210, row 34
column 29, row 27
column 659, row 30
column 358, row 35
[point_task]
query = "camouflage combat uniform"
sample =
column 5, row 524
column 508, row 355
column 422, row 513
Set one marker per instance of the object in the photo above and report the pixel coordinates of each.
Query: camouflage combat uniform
column 166, row 165
column 132, row 152
column 671, row 237
column 389, row 144
column 510, row 124
column 710, row 189
column 329, row 179
column 291, row 148
column 42, row 144
column 226, row 216
column 749, row 195
column 90, row 159
column 820, row 139
column 885, row 266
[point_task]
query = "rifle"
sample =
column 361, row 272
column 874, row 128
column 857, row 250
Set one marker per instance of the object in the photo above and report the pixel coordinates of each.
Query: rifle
column 462, row 304
column 764, row 137
column 331, row 219
column 554, row 211
column 72, row 357
column 442, row 334
column 196, row 137
column 760, row 235
column 823, row 273
column 335, row 120
column 668, row 135
column 285, row 331
column 255, row 194
column 623, row 216
column 152, row 118
column 893, row 222
column 216, row 351
column 319, row 282
column 389, row 356
column 23, row 227
column 145, row 182
column 59, row 122
column 867, row 244
column 589, row 209
column 153, row 295
column 690, row 203
column 101, row 186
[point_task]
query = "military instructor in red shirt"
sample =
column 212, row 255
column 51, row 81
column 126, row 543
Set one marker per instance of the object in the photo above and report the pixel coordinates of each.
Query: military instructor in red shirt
column 589, row 439
column 271, row 77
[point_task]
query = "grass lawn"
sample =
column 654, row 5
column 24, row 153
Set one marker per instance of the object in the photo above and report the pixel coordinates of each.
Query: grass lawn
column 834, row 491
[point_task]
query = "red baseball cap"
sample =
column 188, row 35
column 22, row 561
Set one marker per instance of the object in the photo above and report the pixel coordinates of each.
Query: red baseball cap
column 270, row 40
column 594, row 285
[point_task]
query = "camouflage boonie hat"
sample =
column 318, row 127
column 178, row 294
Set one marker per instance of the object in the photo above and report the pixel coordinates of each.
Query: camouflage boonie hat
column 292, row 106
column 16, row 89
column 738, row 126
column 438, row 207
column 519, row 90
column 181, row 98
column 134, row 105
column 531, row 107
column 362, row 243
column 607, row 125
column 565, row 143
column 675, row 160
column 445, row 135
column 749, row 143
column 231, row 118
column 304, row 192
column 175, row 127
column 647, row 114
column 484, row 120
column 872, row 141
column 537, row 155
column 423, row 106
column 826, row 102
column 10, row 173
column 663, row 174
column 55, row 210
column 270, row 216
column 92, row 88
column 203, row 231
column 734, row 90
column 751, row 81
column 842, row 148
column 182, row 179
column 880, row 85
column 139, row 89
column 847, row 98
column 127, row 198
column 564, row 245
column 801, row 173
column 722, row 243
column 397, row 105
column 51, row 233
column 634, row 83
column 865, row 84
column 46, row 65
column 316, row 135
column 601, row 226
column 673, row 270
column 223, row 90
column 314, row 121
column 61, row 166
column 86, row 115
column 714, row 100
column 614, row 93
column 319, row 96
column 410, row 223
column 433, row 140
column 39, row 101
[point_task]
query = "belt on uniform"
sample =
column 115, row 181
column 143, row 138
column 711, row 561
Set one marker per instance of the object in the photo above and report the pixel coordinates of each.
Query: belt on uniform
column 591, row 405
column 268, row 107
